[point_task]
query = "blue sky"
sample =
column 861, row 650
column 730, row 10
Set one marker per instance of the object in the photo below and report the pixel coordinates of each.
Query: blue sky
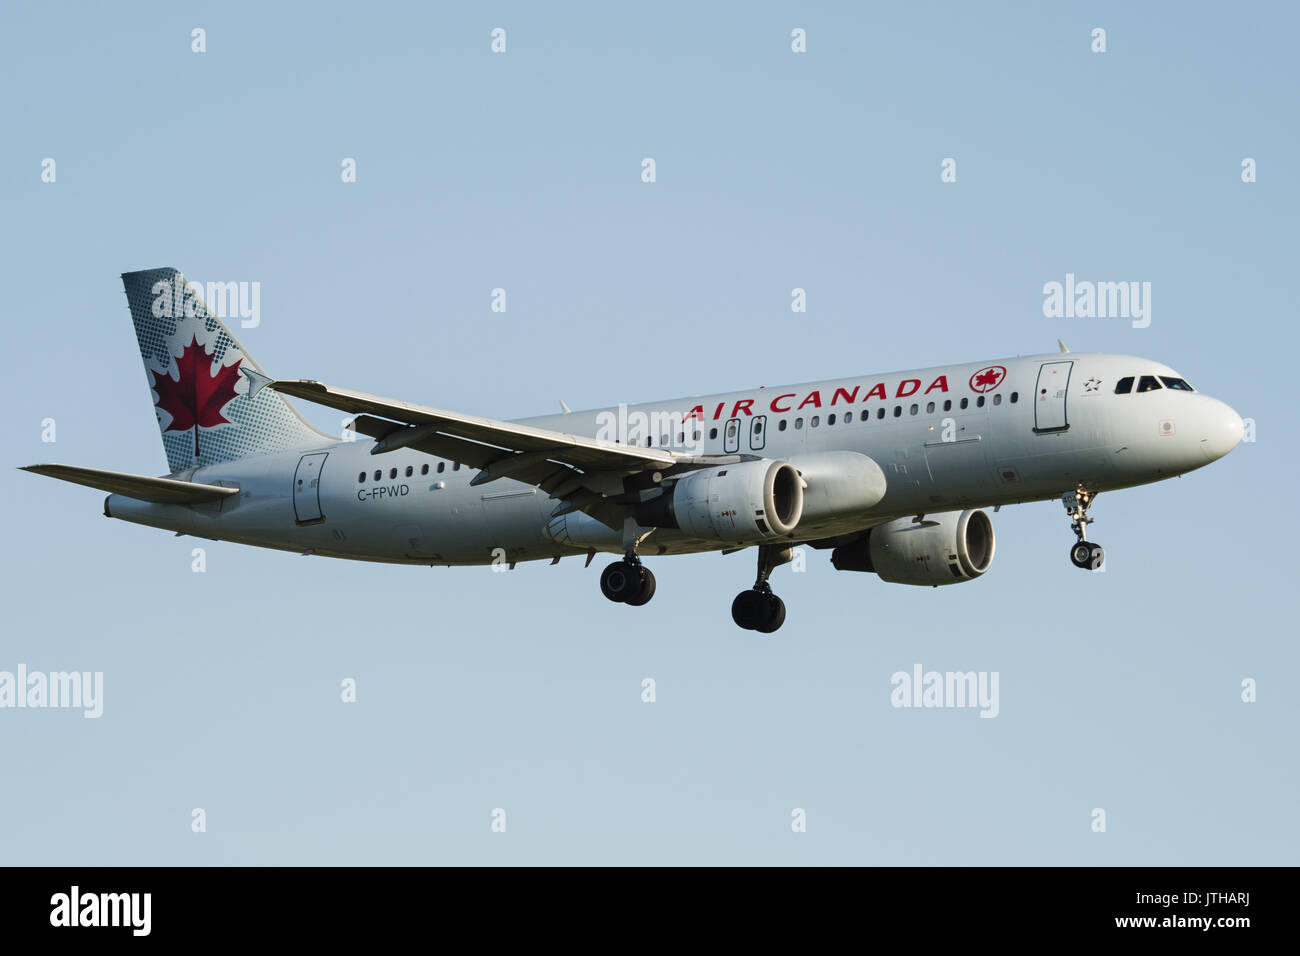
column 775, row 170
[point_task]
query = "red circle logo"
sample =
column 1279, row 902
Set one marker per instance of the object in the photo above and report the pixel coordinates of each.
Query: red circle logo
column 987, row 379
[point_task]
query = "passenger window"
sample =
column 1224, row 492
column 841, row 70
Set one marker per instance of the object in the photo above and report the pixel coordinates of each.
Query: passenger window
column 1148, row 383
column 898, row 411
column 409, row 471
column 947, row 404
column 798, row 423
column 816, row 420
column 997, row 399
column 361, row 477
column 929, row 408
column 1124, row 385
column 979, row 402
column 781, row 426
column 965, row 402
column 848, row 417
column 392, row 472
column 830, row 419
column 713, row 434
column 424, row 469
column 378, row 474
column 880, row 412
column 441, row 466
column 1177, row 384
column 913, row 410
column 455, row 466
column 1015, row 397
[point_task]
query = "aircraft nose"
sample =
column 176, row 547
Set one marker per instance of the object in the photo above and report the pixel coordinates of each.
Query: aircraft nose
column 1222, row 429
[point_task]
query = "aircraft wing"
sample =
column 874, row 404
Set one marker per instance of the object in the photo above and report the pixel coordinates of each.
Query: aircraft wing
column 164, row 491
column 556, row 462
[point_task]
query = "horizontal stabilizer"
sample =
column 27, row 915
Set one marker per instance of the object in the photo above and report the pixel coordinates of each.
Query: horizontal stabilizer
column 163, row 491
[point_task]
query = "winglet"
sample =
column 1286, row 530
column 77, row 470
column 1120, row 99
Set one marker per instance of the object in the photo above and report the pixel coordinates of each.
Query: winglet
column 256, row 380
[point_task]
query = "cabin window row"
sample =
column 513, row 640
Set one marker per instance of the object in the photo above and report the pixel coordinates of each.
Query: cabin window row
column 782, row 425
column 408, row 472
column 914, row 409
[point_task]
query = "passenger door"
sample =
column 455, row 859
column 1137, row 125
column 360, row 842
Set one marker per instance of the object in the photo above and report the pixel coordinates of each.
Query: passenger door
column 306, row 488
column 1050, row 397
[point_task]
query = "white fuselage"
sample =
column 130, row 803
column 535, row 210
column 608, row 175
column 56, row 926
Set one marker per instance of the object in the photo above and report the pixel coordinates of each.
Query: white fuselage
column 1039, row 429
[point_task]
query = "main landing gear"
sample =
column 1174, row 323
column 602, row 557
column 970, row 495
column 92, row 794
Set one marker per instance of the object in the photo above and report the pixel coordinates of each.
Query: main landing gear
column 758, row 609
column 1083, row 553
column 628, row 582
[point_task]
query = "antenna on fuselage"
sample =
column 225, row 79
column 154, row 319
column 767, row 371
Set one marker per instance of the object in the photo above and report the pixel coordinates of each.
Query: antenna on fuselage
column 1064, row 347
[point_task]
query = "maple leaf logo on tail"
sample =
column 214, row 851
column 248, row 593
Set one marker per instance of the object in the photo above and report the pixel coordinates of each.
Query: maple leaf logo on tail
column 192, row 367
column 195, row 399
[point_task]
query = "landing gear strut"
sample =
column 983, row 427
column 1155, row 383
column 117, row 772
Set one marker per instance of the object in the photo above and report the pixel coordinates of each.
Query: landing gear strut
column 628, row 581
column 758, row 609
column 1083, row 553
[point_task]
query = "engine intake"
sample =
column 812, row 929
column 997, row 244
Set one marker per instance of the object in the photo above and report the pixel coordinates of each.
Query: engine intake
column 942, row 549
column 751, row 501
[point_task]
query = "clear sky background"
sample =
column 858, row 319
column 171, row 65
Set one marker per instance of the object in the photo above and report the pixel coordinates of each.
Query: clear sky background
column 775, row 170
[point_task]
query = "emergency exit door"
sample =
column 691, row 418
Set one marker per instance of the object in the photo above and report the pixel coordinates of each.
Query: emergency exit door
column 306, row 488
column 731, row 436
column 1050, row 397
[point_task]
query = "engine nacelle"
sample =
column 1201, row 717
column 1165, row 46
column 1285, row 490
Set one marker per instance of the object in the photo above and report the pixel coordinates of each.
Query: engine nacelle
column 942, row 549
column 751, row 501
column 841, row 488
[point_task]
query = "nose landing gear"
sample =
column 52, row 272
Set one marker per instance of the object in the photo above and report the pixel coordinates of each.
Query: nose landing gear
column 1084, row 554
column 758, row 609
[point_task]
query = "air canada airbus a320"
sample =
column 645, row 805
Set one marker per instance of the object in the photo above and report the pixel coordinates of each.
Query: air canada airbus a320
column 889, row 471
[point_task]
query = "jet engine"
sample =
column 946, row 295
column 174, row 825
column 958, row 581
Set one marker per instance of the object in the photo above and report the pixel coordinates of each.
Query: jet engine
column 940, row 549
column 748, row 502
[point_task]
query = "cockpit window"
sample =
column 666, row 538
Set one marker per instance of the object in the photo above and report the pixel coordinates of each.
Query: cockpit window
column 1177, row 384
column 1124, row 385
column 1148, row 383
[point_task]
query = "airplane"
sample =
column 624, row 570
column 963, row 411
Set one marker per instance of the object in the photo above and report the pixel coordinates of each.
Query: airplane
column 890, row 472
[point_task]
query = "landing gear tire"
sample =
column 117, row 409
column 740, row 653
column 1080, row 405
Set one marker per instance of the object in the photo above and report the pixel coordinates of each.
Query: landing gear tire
column 647, row 590
column 620, row 581
column 760, row 611
column 776, row 616
column 626, row 583
column 1087, row 555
